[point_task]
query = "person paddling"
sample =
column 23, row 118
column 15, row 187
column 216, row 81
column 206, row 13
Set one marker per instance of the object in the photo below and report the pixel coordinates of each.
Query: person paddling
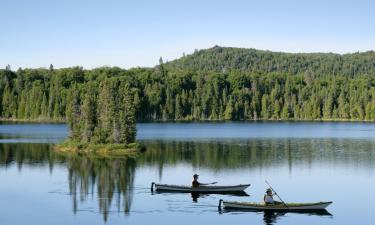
column 196, row 183
column 268, row 198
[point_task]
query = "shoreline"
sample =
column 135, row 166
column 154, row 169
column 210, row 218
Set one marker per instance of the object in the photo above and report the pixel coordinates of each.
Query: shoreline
column 32, row 120
column 103, row 150
column 187, row 121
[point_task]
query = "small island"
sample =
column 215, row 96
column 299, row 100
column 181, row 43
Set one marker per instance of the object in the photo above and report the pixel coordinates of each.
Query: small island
column 101, row 119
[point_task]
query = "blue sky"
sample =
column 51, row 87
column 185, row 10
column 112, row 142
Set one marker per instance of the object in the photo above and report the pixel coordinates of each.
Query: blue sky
column 93, row 33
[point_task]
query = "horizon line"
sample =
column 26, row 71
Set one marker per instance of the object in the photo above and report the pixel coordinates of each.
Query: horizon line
column 193, row 52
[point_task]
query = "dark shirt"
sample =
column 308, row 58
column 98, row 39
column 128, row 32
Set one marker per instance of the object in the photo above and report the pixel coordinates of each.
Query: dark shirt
column 195, row 183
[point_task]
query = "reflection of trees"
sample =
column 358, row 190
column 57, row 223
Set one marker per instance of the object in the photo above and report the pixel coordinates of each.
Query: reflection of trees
column 114, row 179
column 259, row 153
column 28, row 153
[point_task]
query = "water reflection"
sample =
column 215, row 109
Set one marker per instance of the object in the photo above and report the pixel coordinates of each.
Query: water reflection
column 271, row 217
column 110, row 181
column 196, row 196
column 258, row 153
column 217, row 155
column 113, row 178
column 29, row 154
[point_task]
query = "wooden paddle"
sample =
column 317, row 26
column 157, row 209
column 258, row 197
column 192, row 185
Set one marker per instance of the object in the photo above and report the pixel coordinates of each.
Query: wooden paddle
column 277, row 195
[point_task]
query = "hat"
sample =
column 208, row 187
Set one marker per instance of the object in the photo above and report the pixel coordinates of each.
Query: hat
column 195, row 175
column 268, row 190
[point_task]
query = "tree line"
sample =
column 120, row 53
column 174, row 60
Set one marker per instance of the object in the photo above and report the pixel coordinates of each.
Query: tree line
column 110, row 97
column 252, row 60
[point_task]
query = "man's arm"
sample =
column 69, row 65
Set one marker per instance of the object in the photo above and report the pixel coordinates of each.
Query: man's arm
column 203, row 184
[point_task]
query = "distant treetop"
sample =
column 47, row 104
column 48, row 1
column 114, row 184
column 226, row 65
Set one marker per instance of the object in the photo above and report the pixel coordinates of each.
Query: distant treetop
column 252, row 60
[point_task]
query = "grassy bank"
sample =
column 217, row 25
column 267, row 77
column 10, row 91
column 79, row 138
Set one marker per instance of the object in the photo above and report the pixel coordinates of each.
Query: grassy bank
column 70, row 146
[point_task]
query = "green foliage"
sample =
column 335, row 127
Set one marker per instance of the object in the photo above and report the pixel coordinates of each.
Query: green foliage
column 107, row 117
column 101, row 105
column 223, row 59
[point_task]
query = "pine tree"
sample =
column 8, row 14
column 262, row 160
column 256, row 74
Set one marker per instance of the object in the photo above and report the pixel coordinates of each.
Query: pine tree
column 327, row 107
column 89, row 117
column 285, row 111
column 128, row 129
column 276, row 111
column 106, row 113
column 178, row 108
column 73, row 114
column 343, row 107
column 21, row 105
column 229, row 110
column 44, row 107
column 265, row 111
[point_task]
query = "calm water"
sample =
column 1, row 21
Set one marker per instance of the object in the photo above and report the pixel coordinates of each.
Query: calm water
column 305, row 162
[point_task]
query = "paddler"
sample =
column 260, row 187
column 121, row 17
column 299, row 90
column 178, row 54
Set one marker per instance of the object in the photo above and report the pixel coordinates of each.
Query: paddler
column 268, row 198
column 196, row 183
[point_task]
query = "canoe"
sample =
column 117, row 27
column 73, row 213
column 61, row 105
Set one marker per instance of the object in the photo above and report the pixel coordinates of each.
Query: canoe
column 201, row 189
column 278, row 207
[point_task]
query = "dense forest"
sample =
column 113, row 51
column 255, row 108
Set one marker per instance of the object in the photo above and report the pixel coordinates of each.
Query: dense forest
column 251, row 60
column 213, row 84
column 101, row 112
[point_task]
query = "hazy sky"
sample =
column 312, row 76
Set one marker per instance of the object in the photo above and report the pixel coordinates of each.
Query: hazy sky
column 92, row 33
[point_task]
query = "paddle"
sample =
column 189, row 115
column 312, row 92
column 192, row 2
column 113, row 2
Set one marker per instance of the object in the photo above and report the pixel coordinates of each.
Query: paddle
column 209, row 183
column 277, row 194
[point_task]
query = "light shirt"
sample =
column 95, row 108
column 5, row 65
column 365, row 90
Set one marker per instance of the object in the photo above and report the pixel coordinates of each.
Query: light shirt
column 268, row 199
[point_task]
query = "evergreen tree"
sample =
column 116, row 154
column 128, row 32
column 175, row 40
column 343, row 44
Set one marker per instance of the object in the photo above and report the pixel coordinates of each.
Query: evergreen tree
column 178, row 108
column 228, row 113
column 74, row 113
column 89, row 117
column 106, row 113
column 127, row 119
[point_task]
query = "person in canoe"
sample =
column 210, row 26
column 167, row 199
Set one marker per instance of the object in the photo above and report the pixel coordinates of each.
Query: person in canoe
column 196, row 183
column 268, row 198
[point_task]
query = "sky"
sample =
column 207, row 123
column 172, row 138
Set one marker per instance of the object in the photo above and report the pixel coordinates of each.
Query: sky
column 94, row 33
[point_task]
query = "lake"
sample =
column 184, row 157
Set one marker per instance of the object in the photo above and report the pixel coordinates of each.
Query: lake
column 304, row 161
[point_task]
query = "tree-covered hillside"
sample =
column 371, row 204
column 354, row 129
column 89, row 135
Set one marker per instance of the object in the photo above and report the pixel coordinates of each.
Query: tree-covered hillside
column 302, row 88
column 251, row 60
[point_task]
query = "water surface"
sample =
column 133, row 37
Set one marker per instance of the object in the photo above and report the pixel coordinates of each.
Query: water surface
column 305, row 162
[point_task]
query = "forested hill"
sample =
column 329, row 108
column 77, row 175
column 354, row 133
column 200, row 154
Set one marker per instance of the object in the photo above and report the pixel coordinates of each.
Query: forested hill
column 214, row 84
column 252, row 60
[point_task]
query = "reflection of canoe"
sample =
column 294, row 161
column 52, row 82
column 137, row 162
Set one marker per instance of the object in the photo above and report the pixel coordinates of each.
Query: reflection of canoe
column 278, row 207
column 201, row 189
column 196, row 195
